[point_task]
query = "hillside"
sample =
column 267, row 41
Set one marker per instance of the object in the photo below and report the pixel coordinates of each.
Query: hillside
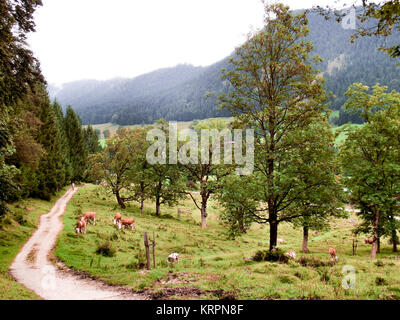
column 179, row 93
column 211, row 266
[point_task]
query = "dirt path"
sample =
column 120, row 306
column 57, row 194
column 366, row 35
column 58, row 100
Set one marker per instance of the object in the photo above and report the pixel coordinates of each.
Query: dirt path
column 33, row 269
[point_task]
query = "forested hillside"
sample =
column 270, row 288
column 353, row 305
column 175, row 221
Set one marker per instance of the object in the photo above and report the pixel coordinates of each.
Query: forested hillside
column 181, row 93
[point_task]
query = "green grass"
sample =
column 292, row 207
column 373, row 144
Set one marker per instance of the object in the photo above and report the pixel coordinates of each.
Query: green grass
column 15, row 229
column 342, row 134
column 209, row 261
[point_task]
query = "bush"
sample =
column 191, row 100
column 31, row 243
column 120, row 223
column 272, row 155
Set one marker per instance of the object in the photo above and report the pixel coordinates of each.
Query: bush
column 106, row 250
column 20, row 217
column 379, row 281
column 379, row 263
column 271, row 256
column 313, row 262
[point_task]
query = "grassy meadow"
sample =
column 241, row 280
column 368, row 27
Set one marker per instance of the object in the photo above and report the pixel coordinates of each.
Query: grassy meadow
column 214, row 267
column 15, row 229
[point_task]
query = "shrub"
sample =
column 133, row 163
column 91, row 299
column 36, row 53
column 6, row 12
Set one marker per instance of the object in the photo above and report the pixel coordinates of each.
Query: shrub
column 312, row 262
column 379, row 263
column 271, row 256
column 106, row 249
column 20, row 217
column 379, row 281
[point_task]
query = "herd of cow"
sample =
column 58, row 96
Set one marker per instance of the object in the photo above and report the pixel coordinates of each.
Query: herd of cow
column 92, row 216
column 123, row 223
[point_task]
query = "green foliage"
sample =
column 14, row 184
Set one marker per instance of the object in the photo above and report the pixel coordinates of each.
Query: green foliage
column 51, row 173
column 370, row 157
column 280, row 95
column 91, row 140
column 77, row 145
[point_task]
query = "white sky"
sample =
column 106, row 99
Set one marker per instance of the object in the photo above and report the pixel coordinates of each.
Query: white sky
column 103, row 39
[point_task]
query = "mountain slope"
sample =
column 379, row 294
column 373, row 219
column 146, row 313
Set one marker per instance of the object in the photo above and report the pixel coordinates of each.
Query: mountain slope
column 179, row 93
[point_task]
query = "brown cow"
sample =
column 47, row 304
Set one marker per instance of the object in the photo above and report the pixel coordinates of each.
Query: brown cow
column 127, row 223
column 90, row 216
column 368, row 241
column 117, row 218
column 332, row 253
column 81, row 226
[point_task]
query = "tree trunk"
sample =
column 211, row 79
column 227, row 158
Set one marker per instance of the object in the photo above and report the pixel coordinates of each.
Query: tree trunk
column 142, row 205
column 394, row 240
column 158, row 206
column 273, row 234
column 374, row 249
column 204, row 200
column 120, row 201
column 241, row 223
column 305, row 240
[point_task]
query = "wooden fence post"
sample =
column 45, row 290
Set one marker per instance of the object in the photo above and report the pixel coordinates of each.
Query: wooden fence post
column 154, row 250
column 146, row 244
column 355, row 242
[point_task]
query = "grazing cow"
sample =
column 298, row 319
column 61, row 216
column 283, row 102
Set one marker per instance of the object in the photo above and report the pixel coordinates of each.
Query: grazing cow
column 332, row 253
column 117, row 218
column 81, row 226
column 90, row 216
column 368, row 241
column 291, row 254
column 127, row 223
column 281, row 241
column 173, row 258
column 315, row 233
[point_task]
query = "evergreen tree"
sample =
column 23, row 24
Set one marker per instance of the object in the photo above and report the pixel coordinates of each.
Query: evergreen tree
column 91, row 140
column 51, row 173
column 64, row 141
column 77, row 146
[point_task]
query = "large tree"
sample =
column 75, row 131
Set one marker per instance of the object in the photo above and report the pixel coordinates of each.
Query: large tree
column 317, row 166
column 371, row 159
column 208, row 174
column 19, row 75
column 277, row 92
column 52, row 171
column 19, row 70
column 113, row 166
column 77, row 146
column 166, row 183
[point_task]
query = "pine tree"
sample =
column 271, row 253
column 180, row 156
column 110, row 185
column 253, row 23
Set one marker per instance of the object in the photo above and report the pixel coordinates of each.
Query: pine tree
column 64, row 141
column 77, row 147
column 91, row 140
column 51, row 173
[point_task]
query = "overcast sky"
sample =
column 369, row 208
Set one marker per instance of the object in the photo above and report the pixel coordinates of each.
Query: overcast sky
column 102, row 39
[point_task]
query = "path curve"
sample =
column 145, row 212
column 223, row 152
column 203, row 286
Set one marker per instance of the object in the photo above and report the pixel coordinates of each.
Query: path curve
column 33, row 268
